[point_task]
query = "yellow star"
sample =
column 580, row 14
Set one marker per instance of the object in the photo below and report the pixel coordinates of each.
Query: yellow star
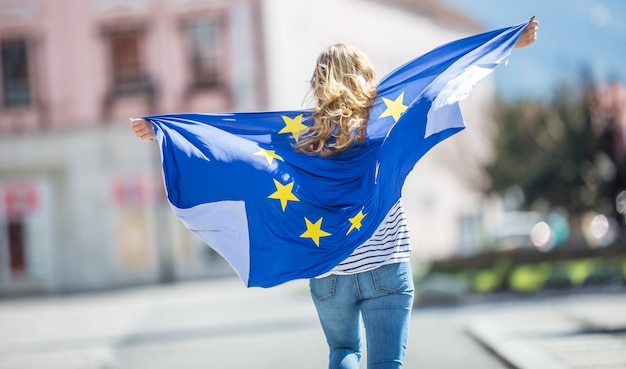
column 356, row 221
column 283, row 193
column 314, row 231
column 395, row 108
column 293, row 126
column 269, row 155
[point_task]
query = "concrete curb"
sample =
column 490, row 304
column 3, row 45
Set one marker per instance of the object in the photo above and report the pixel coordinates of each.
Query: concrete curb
column 515, row 351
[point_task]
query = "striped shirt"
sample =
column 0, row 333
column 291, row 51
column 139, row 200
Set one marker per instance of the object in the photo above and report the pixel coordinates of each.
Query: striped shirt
column 389, row 244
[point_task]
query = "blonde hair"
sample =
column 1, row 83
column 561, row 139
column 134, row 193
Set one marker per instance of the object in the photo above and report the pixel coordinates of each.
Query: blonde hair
column 344, row 88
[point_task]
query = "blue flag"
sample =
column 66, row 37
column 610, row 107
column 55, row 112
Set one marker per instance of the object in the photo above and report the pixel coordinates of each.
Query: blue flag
column 277, row 215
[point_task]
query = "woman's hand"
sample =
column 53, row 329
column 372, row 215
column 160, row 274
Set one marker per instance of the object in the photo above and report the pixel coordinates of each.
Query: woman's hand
column 529, row 35
column 142, row 128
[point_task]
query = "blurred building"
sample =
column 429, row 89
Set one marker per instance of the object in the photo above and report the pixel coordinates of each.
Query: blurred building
column 81, row 200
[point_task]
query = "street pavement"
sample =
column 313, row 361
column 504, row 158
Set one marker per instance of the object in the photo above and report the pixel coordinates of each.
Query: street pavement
column 219, row 323
column 568, row 332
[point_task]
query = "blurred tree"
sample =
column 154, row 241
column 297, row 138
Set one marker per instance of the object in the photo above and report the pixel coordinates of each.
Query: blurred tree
column 565, row 152
column 608, row 108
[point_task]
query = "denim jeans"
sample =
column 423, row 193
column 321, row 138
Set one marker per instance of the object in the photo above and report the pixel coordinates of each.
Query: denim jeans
column 382, row 298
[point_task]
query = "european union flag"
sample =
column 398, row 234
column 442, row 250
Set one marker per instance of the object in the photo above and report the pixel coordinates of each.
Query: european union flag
column 277, row 215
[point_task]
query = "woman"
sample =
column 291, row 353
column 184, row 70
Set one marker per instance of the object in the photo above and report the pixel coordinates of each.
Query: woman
column 374, row 283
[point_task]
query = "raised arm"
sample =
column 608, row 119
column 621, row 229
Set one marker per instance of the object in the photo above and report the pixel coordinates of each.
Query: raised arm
column 529, row 35
column 142, row 128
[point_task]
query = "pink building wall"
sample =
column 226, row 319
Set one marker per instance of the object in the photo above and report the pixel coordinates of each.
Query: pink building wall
column 70, row 68
column 100, row 219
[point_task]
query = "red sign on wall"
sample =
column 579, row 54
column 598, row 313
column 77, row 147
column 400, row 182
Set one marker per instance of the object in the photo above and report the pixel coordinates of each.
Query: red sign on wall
column 129, row 191
column 20, row 199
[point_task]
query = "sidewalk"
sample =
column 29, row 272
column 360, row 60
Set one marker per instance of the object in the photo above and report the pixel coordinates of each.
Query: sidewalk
column 221, row 324
column 204, row 324
column 571, row 332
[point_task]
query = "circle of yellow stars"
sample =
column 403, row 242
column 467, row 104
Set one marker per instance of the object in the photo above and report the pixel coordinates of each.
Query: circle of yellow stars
column 284, row 192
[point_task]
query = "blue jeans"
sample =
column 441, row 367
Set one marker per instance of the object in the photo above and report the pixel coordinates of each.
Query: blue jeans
column 383, row 298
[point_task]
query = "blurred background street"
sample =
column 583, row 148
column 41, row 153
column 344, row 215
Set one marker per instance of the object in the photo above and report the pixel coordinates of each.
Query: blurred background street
column 221, row 324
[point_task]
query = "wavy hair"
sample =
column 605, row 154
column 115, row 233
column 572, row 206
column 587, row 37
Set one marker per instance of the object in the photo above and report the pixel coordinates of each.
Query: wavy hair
column 344, row 88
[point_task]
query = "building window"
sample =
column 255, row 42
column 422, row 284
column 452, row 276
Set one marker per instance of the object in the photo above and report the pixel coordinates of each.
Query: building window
column 16, row 79
column 17, row 246
column 203, row 36
column 127, row 69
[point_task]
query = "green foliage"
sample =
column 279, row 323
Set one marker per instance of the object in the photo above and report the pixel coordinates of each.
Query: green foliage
column 505, row 274
column 579, row 270
column 554, row 151
column 492, row 279
column 529, row 277
column 486, row 280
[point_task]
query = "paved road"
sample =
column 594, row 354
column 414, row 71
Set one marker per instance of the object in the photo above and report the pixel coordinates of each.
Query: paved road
column 569, row 332
column 221, row 324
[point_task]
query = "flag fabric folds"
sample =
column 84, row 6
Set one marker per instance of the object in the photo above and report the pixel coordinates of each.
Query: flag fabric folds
column 277, row 215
